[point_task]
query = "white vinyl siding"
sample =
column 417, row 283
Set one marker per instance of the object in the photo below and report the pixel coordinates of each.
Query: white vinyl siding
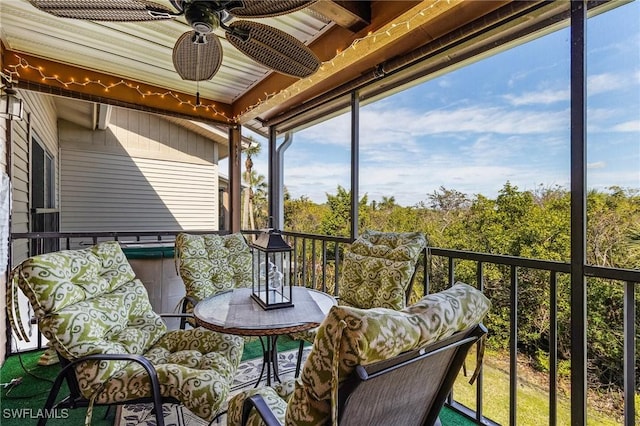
column 40, row 119
column 110, row 192
column 142, row 173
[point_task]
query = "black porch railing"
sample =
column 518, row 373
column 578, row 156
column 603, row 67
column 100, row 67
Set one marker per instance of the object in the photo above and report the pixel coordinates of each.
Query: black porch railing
column 317, row 264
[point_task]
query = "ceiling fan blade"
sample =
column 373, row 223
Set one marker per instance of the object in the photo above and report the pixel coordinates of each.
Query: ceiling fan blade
column 273, row 48
column 105, row 10
column 197, row 61
column 265, row 8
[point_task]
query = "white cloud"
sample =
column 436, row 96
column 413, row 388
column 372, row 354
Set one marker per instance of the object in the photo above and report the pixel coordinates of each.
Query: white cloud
column 404, row 153
column 475, row 119
column 596, row 84
column 544, row 97
column 597, row 165
column 627, row 126
column 610, row 176
column 444, row 82
column 482, row 167
column 601, row 83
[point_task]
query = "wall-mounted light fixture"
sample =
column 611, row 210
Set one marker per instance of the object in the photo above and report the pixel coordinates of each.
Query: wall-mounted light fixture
column 11, row 106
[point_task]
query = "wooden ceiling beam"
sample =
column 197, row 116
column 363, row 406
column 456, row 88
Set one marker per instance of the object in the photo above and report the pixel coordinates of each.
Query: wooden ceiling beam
column 352, row 15
column 399, row 34
column 334, row 40
column 34, row 73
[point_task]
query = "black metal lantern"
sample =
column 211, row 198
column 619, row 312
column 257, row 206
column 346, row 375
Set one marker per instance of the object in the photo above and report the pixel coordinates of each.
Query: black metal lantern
column 271, row 283
column 11, row 106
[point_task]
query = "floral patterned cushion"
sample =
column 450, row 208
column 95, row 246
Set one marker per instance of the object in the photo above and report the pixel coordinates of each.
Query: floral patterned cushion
column 89, row 302
column 210, row 264
column 352, row 336
column 378, row 269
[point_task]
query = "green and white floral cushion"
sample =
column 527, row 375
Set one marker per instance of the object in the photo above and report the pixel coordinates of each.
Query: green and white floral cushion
column 378, row 268
column 352, row 336
column 89, row 302
column 377, row 271
column 210, row 264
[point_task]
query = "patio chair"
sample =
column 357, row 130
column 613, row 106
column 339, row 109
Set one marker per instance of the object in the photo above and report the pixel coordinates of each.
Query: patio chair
column 378, row 272
column 210, row 264
column 112, row 347
column 375, row 366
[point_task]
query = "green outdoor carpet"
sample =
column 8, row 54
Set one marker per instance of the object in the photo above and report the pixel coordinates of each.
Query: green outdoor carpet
column 21, row 404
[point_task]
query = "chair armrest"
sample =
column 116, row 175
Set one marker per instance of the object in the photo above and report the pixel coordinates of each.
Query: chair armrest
column 139, row 359
column 175, row 315
column 258, row 402
column 144, row 362
column 188, row 299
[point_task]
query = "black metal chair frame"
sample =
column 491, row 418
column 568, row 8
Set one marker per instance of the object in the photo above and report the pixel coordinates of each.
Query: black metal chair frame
column 75, row 398
column 364, row 375
column 184, row 315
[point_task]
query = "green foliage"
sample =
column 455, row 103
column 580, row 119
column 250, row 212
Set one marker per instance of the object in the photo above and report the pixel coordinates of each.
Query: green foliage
column 337, row 221
column 303, row 215
column 529, row 224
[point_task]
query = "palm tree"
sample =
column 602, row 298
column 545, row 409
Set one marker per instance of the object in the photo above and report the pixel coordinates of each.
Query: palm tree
column 252, row 149
column 387, row 203
column 259, row 213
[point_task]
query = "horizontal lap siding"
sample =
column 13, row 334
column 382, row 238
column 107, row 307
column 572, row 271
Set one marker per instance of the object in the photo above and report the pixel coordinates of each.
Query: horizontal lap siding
column 109, row 192
column 41, row 120
column 142, row 173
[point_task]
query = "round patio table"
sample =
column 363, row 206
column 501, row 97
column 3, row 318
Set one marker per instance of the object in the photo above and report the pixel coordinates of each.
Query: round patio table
column 214, row 312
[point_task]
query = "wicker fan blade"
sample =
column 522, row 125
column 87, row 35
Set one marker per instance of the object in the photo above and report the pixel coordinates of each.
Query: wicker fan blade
column 265, row 8
column 105, row 10
column 273, row 48
column 197, row 61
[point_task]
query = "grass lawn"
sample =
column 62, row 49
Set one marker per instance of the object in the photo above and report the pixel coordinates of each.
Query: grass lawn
column 532, row 397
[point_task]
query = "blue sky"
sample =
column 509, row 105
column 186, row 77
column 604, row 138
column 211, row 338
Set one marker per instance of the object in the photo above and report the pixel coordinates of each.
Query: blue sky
column 505, row 118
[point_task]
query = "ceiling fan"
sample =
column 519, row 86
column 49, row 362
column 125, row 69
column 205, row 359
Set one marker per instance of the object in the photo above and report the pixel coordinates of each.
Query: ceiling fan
column 197, row 54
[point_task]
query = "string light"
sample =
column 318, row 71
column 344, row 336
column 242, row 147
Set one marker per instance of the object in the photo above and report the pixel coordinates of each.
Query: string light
column 23, row 64
column 334, row 62
column 342, row 53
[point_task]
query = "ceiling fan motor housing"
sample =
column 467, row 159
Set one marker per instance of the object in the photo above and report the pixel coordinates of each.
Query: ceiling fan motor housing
column 202, row 17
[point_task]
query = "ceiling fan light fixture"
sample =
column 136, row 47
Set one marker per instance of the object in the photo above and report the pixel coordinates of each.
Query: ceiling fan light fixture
column 197, row 61
column 199, row 38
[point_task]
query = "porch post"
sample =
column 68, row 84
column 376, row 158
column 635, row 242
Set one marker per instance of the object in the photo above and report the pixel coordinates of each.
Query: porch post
column 578, row 216
column 235, row 180
column 355, row 162
column 274, row 189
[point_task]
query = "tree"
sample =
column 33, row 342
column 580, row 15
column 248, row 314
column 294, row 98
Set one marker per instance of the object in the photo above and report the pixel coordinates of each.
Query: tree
column 448, row 199
column 254, row 147
column 303, row 215
column 387, row 203
column 259, row 204
column 337, row 221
